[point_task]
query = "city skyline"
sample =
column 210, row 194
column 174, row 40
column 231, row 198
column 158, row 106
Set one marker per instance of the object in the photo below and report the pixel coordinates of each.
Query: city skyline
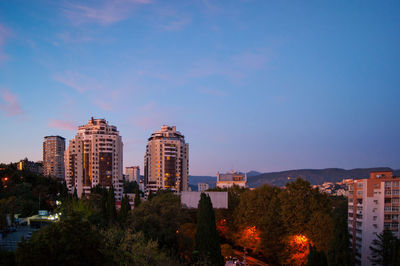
column 253, row 85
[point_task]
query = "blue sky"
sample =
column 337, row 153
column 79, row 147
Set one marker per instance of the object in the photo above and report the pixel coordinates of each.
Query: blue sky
column 253, row 85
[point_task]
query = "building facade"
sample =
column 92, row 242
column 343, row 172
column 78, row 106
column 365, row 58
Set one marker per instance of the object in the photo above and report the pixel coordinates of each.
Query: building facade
column 166, row 161
column 94, row 157
column 133, row 173
column 202, row 187
column 53, row 157
column 229, row 179
column 373, row 205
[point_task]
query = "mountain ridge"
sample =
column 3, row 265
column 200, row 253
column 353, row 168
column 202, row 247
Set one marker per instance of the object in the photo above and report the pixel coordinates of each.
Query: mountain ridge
column 314, row 176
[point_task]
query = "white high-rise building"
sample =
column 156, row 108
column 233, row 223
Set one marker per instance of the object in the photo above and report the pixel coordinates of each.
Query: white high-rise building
column 53, row 157
column 133, row 173
column 94, row 157
column 374, row 205
column 166, row 162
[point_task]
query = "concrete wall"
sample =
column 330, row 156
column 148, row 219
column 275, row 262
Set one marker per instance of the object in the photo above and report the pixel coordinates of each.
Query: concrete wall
column 191, row 199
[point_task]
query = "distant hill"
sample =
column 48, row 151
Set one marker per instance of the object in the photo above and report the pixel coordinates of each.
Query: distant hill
column 194, row 180
column 314, row 176
column 253, row 173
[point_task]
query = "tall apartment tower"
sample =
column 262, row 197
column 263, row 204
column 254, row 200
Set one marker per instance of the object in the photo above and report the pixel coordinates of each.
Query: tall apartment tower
column 374, row 205
column 166, row 162
column 94, row 157
column 53, row 157
column 133, row 173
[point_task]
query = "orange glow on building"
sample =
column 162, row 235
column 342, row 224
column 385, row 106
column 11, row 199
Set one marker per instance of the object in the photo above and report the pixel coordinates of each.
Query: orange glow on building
column 299, row 249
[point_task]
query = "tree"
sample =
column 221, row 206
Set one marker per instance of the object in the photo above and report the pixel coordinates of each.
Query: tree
column 339, row 252
column 315, row 257
column 306, row 211
column 207, row 239
column 70, row 241
column 383, row 248
column 110, row 207
column 125, row 208
column 136, row 200
column 159, row 219
column 129, row 248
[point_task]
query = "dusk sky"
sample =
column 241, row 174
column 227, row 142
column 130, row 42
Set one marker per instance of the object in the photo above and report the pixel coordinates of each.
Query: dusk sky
column 253, row 85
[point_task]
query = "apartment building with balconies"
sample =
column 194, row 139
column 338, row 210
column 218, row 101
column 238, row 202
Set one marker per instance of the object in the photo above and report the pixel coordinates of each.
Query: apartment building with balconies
column 166, row 161
column 94, row 157
column 373, row 205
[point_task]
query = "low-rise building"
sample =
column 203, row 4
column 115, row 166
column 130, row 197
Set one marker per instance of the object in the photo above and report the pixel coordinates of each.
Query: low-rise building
column 219, row 200
column 202, row 187
column 229, row 179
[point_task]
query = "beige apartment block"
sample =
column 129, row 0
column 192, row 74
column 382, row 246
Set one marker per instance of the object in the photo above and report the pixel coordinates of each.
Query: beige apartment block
column 166, row 161
column 94, row 157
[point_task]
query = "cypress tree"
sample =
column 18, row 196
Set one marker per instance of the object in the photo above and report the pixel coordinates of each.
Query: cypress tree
column 125, row 208
column 136, row 200
column 207, row 239
column 111, row 211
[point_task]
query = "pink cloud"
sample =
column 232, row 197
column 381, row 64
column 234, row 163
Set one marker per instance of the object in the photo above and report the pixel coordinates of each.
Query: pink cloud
column 105, row 12
column 61, row 124
column 10, row 104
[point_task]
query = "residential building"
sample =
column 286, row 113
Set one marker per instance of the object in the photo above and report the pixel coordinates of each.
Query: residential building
column 34, row 167
column 166, row 161
column 202, row 187
column 94, row 157
column 53, row 157
column 229, row 179
column 373, row 205
column 133, row 173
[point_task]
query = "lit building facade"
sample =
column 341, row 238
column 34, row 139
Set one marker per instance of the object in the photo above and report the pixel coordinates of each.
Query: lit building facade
column 53, row 157
column 373, row 205
column 229, row 179
column 166, row 161
column 133, row 173
column 94, row 157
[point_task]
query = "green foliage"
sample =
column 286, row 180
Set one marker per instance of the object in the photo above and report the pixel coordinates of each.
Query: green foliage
column 112, row 212
column 340, row 252
column 307, row 211
column 384, row 249
column 129, row 248
column 71, row 241
column 207, row 239
column 124, row 211
column 159, row 219
column 136, row 200
column 316, row 258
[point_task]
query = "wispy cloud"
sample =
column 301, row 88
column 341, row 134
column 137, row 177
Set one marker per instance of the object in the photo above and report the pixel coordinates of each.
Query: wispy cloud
column 74, row 37
column 234, row 67
column 101, row 12
column 212, row 92
column 61, row 124
column 10, row 104
column 77, row 81
column 176, row 24
column 4, row 34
